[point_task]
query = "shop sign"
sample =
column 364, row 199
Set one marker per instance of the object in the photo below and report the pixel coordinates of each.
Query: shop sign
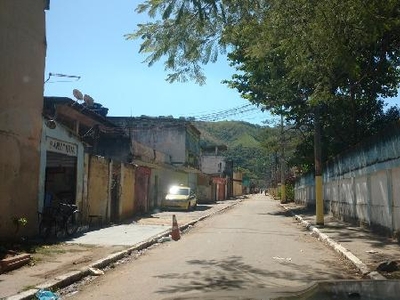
column 62, row 147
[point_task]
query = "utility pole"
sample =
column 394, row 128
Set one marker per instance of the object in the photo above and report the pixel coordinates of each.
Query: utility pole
column 319, row 201
column 283, row 163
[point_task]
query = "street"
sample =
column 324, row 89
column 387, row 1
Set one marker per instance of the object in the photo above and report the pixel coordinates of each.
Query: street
column 250, row 246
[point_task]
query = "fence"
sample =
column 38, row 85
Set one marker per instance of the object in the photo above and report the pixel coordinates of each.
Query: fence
column 362, row 184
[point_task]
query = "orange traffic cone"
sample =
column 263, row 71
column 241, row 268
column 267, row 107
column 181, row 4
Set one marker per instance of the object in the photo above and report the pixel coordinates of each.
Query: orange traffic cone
column 175, row 234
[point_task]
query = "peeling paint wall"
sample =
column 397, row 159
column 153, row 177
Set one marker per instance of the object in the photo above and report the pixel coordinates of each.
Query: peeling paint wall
column 22, row 59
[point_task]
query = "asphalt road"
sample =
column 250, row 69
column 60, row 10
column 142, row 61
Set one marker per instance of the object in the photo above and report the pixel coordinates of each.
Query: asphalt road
column 251, row 246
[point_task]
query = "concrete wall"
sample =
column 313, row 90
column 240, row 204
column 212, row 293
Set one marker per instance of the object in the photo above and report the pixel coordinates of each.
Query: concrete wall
column 363, row 183
column 22, row 59
column 127, row 198
column 237, row 184
column 99, row 187
column 212, row 164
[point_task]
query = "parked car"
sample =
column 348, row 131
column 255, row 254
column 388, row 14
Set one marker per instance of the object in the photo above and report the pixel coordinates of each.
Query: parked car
column 180, row 197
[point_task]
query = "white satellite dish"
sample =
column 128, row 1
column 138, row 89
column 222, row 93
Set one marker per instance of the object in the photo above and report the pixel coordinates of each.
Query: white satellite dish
column 77, row 94
column 88, row 100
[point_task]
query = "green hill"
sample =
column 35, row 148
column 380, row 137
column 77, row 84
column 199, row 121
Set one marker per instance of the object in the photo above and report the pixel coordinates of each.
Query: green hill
column 230, row 133
column 242, row 140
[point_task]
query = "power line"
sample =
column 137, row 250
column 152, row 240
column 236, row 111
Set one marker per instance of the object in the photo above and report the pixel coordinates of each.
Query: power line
column 223, row 114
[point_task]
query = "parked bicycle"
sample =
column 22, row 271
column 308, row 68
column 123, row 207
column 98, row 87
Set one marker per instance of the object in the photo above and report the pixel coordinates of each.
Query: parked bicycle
column 62, row 219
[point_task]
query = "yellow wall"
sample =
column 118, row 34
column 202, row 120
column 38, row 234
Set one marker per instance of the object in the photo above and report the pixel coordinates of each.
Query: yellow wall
column 98, row 189
column 237, row 184
column 127, row 191
column 23, row 50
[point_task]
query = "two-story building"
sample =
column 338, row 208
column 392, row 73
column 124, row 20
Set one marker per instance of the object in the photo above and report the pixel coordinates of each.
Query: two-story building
column 177, row 140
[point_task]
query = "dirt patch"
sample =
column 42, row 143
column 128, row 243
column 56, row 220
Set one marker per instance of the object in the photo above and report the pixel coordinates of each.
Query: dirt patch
column 49, row 261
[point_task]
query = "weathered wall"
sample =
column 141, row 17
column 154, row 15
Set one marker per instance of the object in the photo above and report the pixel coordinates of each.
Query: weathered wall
column 99, row 189
column 22, row 59
column 127, row 198
column 204, row 188
column 304, row 190
column 237, row 184
column 362, row 184
column 212, row 164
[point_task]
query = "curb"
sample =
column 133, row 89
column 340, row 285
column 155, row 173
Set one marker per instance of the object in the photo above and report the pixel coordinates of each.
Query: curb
column 67, row 279
column 365, row 271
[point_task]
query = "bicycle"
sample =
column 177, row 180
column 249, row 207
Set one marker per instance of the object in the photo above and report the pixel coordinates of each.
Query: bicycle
column 64, row 218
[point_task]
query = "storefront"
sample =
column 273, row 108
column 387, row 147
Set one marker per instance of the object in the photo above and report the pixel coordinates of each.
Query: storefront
column 62, row 167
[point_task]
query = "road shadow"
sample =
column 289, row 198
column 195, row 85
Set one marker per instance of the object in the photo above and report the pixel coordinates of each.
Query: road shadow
column 232, row 273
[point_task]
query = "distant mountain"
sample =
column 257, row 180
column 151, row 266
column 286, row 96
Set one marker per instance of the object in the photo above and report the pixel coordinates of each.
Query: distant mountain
column 230, row 133
column 243, row 141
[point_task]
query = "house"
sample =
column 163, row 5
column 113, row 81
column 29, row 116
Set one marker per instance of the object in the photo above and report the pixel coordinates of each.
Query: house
column 72, row 168
column 213, row 163
column 178, row 138
column 22, row 60
column 169, row 148
column 213, row 160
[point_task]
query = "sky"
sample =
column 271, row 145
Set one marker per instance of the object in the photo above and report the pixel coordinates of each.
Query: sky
column 85, row 38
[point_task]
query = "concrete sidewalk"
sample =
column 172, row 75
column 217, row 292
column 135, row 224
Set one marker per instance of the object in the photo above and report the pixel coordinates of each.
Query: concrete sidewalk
column 366, row 250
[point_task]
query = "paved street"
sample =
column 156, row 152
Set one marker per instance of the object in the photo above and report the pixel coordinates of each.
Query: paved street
column 253, row 245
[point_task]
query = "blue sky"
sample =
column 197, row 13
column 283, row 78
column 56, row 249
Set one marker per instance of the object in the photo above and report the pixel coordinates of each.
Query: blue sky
column 86, row 38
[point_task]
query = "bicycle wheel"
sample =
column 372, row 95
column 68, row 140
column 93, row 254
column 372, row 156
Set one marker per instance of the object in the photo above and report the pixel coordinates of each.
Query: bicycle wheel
column 72, row 223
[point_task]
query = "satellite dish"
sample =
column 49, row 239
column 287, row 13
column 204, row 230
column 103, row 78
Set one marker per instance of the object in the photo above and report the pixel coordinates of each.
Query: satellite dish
column 88, row 100
column 77, row 94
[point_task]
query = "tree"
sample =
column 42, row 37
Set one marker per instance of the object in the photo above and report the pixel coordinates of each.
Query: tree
column 297, row 56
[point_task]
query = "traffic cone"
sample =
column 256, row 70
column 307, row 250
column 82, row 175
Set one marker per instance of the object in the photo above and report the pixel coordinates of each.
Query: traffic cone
column 175, row 234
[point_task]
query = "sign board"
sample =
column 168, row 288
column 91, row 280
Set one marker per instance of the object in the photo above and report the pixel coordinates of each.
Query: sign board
column 62, row 147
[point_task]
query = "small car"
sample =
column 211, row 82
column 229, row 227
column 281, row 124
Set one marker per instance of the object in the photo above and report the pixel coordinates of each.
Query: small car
column 180, row 197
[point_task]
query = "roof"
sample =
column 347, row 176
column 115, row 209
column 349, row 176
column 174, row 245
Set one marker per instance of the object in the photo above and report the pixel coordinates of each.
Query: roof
column 96, row 113
column 147, row 122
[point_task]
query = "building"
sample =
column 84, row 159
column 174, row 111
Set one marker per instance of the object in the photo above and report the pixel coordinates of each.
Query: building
column 22, row 60
column 177, row 138
column 166, row 149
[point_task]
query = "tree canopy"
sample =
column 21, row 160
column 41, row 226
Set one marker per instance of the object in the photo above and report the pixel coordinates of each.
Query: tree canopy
column 289, row 55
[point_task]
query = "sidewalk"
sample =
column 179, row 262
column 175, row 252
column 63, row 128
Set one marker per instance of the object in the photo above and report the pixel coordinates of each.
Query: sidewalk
column 363, row 248
column 60, row 264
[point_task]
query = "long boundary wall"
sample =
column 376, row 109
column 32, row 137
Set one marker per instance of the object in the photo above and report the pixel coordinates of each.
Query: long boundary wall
column 362, row 184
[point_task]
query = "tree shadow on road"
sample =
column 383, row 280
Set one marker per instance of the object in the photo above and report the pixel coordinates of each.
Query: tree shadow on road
column 232, row 273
